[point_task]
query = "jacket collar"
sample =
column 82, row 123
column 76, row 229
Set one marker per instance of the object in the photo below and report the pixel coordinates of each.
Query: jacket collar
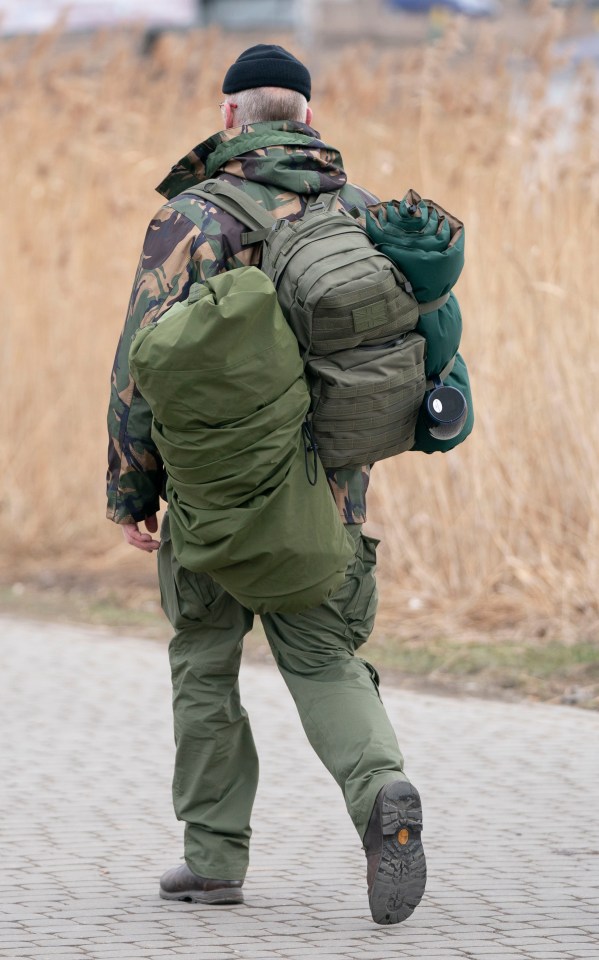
column 286, row 153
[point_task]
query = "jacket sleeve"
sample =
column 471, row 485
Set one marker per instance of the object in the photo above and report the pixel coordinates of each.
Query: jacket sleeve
column 166, row 270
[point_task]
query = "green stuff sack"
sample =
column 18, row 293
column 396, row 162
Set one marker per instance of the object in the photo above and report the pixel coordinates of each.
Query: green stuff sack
column 223, row 376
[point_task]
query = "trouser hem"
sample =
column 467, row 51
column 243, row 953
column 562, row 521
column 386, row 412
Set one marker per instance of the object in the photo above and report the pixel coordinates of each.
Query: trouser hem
column 362, row 813
column 216, row 869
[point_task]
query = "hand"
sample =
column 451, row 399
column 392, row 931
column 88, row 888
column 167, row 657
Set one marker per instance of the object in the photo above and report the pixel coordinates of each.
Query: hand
column 143, row 541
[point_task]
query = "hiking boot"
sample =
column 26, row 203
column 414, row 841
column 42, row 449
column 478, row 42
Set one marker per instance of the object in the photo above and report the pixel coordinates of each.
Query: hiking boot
column 181, row 883
column 396, row 872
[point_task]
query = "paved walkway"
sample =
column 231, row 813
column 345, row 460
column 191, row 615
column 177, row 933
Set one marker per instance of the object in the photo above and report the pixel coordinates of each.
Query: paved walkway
column 511, row 797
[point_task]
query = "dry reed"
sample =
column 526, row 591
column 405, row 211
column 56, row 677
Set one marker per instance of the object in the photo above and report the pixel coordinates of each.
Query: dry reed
column 504, row 531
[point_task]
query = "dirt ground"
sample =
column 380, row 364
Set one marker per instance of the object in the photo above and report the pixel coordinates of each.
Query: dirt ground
column 415, row 653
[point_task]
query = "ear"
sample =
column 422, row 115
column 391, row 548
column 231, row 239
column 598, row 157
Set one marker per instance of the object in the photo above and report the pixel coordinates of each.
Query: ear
column 308, row 117
column 230, row 115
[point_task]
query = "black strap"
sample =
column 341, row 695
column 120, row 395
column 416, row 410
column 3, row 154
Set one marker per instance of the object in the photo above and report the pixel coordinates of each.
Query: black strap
column 310, row 447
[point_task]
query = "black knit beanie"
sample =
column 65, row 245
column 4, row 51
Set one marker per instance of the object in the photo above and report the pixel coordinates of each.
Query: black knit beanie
column 267, row 65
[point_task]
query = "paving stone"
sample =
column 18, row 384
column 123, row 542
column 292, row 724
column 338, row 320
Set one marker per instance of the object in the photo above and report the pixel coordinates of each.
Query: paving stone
column 6, row 943
column 82, row 882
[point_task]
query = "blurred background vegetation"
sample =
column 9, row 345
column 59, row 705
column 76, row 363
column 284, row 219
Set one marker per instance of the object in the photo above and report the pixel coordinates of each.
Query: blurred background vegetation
column 489, row 561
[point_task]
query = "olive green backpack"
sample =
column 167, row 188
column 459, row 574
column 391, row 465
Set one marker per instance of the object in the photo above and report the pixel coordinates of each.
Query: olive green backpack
column 353, row 316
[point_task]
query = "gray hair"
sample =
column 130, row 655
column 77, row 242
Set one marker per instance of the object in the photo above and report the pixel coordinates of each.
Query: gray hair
column 268, row 103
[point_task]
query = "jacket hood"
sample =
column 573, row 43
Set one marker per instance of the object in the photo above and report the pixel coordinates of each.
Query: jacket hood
column 283, row 153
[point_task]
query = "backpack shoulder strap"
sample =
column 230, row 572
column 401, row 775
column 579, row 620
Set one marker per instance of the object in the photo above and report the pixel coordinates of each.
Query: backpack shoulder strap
column 233, row 200
column 324, row 202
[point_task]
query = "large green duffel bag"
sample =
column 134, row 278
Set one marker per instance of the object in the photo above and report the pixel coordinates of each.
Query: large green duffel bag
column 223, row 376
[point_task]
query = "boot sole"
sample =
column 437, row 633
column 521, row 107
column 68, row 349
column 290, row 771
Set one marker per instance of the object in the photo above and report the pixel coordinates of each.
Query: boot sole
column 401, row 875
column 204, row 896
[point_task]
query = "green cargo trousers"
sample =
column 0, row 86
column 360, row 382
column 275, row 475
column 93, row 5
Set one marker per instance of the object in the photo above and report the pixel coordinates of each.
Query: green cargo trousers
column 336, row 694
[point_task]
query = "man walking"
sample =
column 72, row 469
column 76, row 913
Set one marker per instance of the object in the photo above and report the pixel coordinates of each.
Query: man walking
column 269, row 150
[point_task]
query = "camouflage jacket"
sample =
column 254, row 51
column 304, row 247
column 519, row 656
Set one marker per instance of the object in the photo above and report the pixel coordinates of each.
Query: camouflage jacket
column 281, row 164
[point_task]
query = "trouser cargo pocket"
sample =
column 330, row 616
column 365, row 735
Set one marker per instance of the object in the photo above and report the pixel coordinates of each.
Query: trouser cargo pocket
column 357, row 597
column 186, row 597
